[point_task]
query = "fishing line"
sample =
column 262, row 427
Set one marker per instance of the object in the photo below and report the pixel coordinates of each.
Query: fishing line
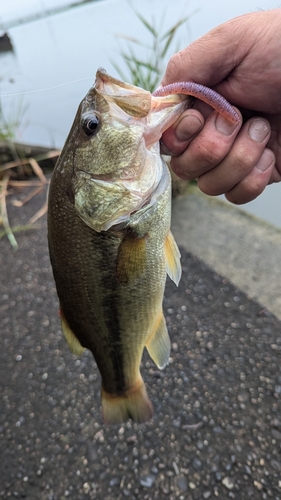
column 47, row 88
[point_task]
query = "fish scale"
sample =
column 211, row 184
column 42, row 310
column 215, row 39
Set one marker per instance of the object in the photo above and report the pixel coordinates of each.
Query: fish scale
column 109, row 237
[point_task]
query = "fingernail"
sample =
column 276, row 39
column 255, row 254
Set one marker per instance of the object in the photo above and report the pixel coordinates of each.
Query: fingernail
column 259, row 130
column 266, row 160
column 187, row 127
column 164, row 150
column 224, row 126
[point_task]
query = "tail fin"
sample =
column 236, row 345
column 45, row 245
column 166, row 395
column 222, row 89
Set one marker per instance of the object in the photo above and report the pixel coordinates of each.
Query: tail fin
column 134, row 404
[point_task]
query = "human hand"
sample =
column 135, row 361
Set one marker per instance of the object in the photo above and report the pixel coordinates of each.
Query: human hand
column 241, row 60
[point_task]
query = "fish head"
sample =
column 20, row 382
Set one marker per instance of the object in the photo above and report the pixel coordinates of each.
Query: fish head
column 116, row 160
column 110, row 127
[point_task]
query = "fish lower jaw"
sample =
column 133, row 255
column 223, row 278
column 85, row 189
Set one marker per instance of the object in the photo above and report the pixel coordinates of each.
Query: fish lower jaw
column 110, row 177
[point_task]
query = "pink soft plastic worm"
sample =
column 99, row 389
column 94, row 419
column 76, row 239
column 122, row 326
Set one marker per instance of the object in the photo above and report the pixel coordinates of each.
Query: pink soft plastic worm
column 209, row 96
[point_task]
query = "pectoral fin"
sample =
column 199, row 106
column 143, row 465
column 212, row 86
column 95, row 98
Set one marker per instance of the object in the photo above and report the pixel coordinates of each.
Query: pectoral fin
column 131, row 259
column 172, row 257
column 73, row 342
column 158, row 344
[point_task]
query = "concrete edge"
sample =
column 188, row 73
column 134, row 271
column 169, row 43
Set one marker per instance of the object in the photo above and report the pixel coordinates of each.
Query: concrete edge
column 239, row 246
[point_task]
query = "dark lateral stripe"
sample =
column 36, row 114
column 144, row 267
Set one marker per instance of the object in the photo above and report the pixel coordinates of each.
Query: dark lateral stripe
column 111, row 318
column 114, row 340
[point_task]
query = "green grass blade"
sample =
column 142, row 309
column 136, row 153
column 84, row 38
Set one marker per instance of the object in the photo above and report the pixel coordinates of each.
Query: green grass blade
column 173, row 28
column 148, row 26
column 17, row 229
column 147, row 73
column 119, row 71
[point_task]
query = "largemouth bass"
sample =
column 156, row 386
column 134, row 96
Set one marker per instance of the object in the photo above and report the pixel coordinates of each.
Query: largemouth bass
column 109, row 237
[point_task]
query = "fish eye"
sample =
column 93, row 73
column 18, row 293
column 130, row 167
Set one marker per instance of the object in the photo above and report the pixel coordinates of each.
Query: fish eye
column 90, row 124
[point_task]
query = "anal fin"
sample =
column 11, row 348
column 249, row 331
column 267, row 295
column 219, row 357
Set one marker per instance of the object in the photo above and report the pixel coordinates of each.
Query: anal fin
column 172, row 257
column 158, row 345
column 71, row 339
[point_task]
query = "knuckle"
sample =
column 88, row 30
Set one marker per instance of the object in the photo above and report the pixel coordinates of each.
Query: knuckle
column 182, row 171
column 245, row 160
column 255, row 188
column 247, row 191
column 209, row 153
column 174, row 66
column 208, row 187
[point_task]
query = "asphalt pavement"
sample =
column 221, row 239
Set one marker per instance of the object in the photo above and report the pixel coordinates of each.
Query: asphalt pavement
column 216, row 431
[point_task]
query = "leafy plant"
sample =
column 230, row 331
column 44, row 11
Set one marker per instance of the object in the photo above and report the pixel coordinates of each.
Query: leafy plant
column 8, row 127
column 147, row 73
column 11, row 179
column 18, row 171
